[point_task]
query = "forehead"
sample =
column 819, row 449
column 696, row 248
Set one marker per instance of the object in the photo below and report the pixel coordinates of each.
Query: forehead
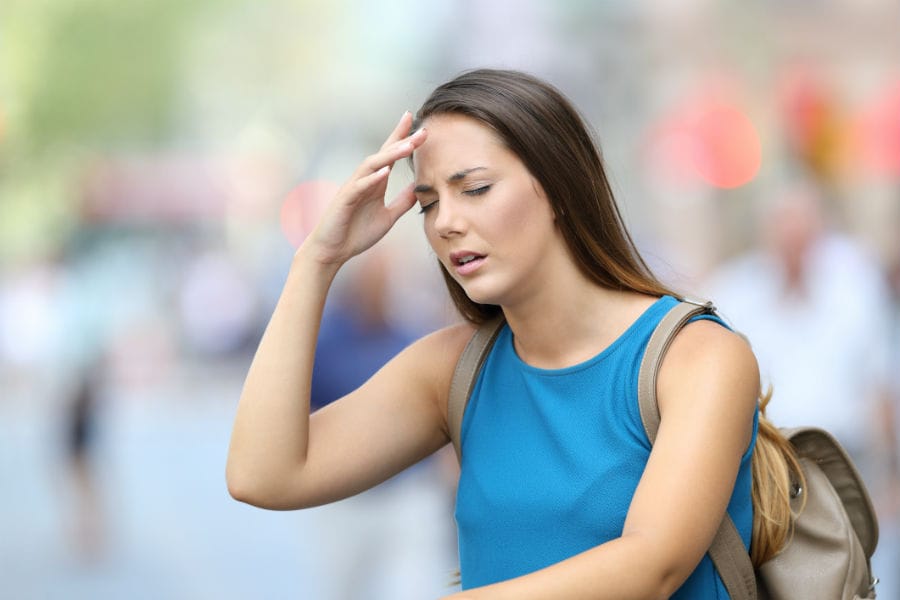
column 456, row 142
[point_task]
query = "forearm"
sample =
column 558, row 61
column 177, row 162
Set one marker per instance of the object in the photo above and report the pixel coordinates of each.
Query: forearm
column 270, row 440
column 270, row 433
column 621, row 569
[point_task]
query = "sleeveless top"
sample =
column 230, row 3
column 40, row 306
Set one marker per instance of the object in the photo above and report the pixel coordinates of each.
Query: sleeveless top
column 552, row 457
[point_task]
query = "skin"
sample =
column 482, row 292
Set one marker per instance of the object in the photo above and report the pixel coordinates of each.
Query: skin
column 282, row 458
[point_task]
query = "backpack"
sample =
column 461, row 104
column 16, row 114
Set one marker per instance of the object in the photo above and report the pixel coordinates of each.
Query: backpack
column 835, row 530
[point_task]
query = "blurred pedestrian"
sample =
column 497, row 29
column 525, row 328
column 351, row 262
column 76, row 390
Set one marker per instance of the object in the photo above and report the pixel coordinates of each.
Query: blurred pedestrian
column 395, row 540
column 87, row 525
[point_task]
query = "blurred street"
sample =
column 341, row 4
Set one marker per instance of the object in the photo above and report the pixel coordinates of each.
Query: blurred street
column 167, row 527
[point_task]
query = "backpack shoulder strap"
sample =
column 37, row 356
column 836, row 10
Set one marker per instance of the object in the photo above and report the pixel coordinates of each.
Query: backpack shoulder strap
column 727, row 551
column 659, row 343
column 465, row 375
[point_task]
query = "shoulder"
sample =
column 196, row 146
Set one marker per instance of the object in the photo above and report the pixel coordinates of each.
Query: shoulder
column 706, row 342
column 707, row 360
column 708, row 388
column 444, row 345
column 432, row 359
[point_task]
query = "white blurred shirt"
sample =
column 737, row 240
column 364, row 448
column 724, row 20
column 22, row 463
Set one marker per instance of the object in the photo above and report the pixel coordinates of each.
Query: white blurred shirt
column 826, row 353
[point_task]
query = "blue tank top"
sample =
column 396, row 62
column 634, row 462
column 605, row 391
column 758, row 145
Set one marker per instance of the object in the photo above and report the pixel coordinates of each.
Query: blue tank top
column 552, row 457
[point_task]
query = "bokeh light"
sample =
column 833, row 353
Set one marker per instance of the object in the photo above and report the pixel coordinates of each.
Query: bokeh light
column 301, row 208
column 815, row 122
column 710, row 142
column 879, row 134
column 727, row 151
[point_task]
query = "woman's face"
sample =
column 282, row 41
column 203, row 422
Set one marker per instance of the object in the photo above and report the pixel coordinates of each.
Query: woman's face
column 485, row 216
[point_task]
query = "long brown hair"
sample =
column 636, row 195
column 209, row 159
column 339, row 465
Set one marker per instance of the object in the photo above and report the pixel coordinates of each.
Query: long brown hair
column 777, row 477
column 540, row 126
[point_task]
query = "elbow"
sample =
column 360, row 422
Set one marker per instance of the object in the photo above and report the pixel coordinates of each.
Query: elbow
column 245, row 485
column 269, row 493
column 244, row 479
column 251, row 492
column 240, row 487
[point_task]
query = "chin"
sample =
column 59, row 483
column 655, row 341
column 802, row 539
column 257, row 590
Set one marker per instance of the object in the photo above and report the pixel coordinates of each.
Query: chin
column 482, row 294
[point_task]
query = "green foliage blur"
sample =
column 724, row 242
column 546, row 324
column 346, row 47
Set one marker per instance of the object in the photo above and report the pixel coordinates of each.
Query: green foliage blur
column 78, row 77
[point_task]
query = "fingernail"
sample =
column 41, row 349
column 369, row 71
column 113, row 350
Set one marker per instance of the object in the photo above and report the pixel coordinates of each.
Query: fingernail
column 405, row 112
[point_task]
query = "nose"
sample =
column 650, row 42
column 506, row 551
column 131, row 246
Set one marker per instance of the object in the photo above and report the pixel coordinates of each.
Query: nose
column 448, row 221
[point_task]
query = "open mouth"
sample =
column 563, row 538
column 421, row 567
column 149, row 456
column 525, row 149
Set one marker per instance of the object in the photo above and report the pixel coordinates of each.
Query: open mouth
column 467, row 259
column 466, row 262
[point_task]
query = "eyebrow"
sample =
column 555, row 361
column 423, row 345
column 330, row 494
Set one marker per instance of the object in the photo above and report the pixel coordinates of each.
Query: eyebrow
column 458, row 176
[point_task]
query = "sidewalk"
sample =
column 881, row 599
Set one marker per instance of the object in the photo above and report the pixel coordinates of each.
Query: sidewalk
column 171, row 530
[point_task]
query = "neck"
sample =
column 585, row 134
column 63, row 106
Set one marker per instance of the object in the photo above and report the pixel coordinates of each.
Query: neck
column 569, row 326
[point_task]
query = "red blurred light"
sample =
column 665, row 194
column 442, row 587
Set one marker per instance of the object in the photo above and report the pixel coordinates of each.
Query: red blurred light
column 727, row 152
column 710, row 141
column 879, row 131
column 302, row 208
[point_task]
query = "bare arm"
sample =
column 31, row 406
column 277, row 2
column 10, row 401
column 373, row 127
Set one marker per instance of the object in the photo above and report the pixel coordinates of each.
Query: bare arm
column 279, row 457
column 707, row 391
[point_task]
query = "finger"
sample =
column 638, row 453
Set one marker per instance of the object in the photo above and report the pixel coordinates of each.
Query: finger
column 400, row 131
column 392, row 153
column 401, row 203
column 367, row 182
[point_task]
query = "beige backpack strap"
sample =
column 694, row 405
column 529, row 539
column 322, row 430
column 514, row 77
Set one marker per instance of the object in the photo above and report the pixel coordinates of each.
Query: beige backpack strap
column 732, row 561
column 659, row 343
column 466, row 374
column 727, row 551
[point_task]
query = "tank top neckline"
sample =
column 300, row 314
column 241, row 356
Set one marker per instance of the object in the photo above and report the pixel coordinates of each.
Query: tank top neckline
column 648, row 314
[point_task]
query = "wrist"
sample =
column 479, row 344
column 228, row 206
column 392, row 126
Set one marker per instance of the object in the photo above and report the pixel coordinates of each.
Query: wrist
column 310, row 260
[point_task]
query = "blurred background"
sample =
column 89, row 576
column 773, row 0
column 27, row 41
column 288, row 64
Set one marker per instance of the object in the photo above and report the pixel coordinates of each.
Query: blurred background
column 160, row 160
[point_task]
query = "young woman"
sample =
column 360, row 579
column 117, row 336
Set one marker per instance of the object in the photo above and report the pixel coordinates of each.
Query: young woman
column 560, row 495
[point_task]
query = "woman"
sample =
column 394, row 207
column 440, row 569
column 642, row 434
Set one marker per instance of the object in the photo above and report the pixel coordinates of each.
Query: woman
column 559, row 494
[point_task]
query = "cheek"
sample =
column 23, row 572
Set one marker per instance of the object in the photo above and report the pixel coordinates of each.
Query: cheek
column 517, row 221
column 528, row 214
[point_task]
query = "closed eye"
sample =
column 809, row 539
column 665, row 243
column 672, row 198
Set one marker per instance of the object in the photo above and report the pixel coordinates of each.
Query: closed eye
column 473, row 192
column 477, row 191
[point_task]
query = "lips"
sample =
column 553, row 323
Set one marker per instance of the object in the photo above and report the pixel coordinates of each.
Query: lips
column 466, row 262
